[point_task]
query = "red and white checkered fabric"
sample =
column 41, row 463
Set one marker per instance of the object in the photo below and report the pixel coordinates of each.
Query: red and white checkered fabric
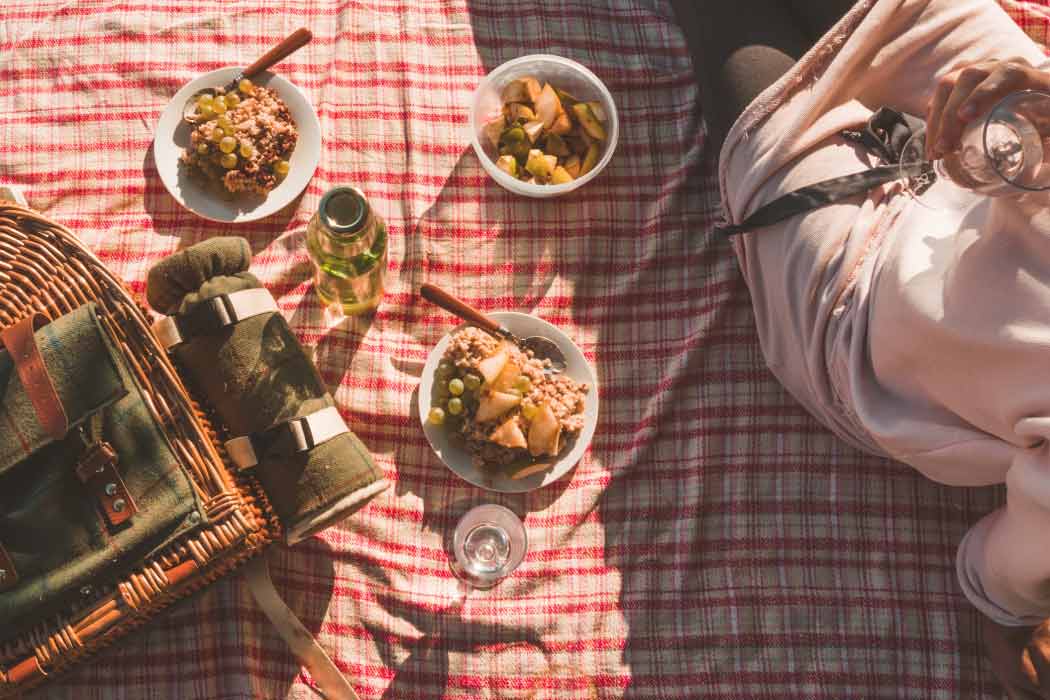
column 715, row 543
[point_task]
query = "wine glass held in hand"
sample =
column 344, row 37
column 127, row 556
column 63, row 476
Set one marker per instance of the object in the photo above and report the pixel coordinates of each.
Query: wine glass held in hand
column 987, row 130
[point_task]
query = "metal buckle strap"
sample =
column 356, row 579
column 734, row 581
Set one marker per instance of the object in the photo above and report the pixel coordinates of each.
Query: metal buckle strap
column 212, row 315
column 289, row 437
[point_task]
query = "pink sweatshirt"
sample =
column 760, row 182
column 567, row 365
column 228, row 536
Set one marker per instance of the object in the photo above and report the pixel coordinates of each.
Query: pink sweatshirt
column 919, row 334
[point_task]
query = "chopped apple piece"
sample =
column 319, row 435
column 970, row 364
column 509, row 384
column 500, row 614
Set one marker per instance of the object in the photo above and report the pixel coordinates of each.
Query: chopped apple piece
column 544, row 433
column 509, row 434
column 517, row 112
column 540, row 164
column 598, row 111
column 562, row 125
column 560, row 176
column 589, row 121
column 548, row 106
column 556, row 146
column 493, row 130
column 572, row 166
column 533, row 130
column 525, row 89
column 494, row 404
column 491, row 366
column 589, row 160
column 508, row 164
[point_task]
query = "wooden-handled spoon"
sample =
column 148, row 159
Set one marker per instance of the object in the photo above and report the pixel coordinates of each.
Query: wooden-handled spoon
column 542, row 348
column 292, row 43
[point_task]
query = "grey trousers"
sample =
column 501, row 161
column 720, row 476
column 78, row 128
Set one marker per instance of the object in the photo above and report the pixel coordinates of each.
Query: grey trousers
column 740, row 48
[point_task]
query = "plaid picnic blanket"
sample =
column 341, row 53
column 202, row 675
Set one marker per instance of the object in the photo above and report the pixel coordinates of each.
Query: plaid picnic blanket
column 715, row 542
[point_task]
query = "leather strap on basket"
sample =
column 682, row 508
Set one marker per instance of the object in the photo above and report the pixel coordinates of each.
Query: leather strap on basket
column 21, row 345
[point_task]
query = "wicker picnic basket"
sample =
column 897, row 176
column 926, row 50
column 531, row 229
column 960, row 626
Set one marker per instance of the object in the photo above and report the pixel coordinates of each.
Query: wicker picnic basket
column 45, row 268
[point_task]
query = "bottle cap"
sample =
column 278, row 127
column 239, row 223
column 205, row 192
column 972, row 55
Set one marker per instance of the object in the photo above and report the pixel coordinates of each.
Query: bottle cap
column 343, row 210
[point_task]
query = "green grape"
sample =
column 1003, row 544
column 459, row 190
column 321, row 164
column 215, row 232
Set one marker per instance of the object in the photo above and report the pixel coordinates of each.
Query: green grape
column 455, row 405
column 205, row 112
column 524, row 384
column 219, row 106
column 245, row 86
column 436, row 416
column 246, row 149
column 202, row 148
column 216, row 134
column 472, row 382
column 455, row 386
column 204, row 100
column 232, row 100
column 229, row 161
column 281, row 168
column 226, row 124
column 228, row 144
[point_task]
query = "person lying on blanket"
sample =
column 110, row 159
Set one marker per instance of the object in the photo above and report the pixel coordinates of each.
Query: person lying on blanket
column 915, row 333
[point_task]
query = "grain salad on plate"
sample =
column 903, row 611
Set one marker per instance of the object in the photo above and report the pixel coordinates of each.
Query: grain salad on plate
column 500, row 404
column 243, row 140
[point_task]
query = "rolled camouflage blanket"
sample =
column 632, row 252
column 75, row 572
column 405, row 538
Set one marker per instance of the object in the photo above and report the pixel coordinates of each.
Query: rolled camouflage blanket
column 255, row 375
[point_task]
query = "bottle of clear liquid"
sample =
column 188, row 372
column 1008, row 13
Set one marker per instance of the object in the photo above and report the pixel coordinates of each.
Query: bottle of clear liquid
column 347, row 243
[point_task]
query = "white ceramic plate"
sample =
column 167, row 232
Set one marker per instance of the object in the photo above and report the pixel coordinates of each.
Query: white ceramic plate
column 496, row 479
column 173, row 135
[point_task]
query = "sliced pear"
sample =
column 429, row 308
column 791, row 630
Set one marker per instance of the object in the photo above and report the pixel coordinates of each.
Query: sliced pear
column 540, row 164
column 544, row 433
column 589, row 160
column 493, row 130
column 494, row 404
column 517, row 112
column 560, row 176
column 491, row 366
column 548, row 106
column 572, row 166
column 508, row 164
column 533, row 130
column 509, row 375
column 509, row 434
column 588, row 121
column 598, row 111
column 525, row 89
column 556, row 146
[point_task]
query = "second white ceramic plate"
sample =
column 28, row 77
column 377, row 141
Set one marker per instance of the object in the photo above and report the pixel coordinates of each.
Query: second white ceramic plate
column 496, row 479
column 173, row 136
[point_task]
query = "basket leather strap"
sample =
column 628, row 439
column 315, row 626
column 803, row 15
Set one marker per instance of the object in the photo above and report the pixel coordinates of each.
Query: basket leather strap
column 20, row 342
column 329, row 679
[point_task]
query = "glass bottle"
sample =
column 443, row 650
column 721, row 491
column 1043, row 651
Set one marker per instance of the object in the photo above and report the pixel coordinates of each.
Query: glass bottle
column 347, row 242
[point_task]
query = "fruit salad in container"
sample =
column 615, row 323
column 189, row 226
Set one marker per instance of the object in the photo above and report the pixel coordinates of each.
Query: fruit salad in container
column 502, row 405
column 243, row 140
column 545, row 135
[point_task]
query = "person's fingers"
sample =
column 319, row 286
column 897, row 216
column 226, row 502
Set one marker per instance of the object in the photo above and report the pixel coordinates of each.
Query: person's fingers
column 1035, row 661
column 949, row 127
column 1006, row 78
column 941, row 93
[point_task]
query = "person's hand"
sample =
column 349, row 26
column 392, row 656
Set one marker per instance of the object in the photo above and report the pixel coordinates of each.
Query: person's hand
column 1020, row 658
column 968, row 92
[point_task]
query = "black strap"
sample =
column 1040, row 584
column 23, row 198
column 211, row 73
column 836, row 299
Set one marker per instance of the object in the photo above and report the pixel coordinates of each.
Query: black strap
column 884, row 136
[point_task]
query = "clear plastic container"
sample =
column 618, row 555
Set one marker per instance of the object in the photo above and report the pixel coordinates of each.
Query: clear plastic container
column 564, row 74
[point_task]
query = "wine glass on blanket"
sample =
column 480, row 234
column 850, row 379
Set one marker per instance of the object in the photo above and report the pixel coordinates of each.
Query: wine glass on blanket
column 1005, row 153
column 488, row 545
